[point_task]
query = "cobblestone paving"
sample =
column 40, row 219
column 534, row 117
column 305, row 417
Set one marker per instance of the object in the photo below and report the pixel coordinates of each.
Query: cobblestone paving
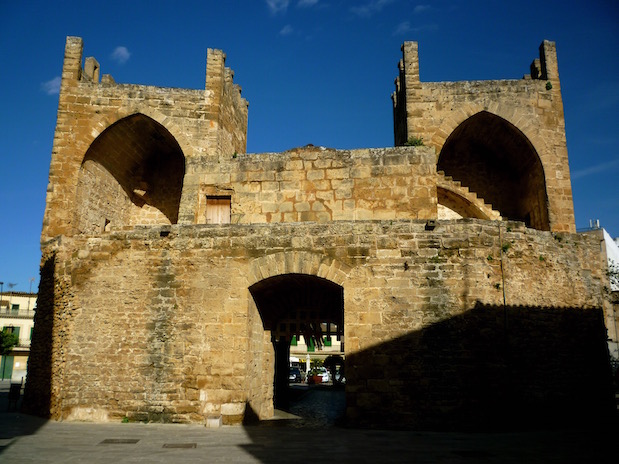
column 317, row 406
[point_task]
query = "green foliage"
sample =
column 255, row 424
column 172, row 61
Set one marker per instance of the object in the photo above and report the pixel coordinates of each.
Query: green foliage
column 505, row 247
column 7, row 342
column 414, row 142
column 497, row 286
column 235, row 155
column 125, row 420
column 489, row 258
column 548, row 85
column 314, row 365
column 541, row 258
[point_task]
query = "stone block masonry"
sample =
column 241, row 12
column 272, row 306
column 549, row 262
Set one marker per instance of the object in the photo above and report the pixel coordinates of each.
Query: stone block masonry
column 168, row 339
column 488, row 133
column 176, row 267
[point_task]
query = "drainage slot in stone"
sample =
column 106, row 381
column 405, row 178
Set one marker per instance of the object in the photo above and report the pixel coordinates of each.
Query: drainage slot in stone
column 119, row 441
column 180, row 445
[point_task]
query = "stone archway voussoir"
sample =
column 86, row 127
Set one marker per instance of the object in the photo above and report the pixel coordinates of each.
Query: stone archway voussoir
column 297, row 262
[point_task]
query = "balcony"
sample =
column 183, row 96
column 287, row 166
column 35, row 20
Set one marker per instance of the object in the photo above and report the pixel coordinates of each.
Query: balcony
column 6, row 313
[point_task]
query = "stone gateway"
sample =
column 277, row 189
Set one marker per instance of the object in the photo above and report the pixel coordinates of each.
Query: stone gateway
column 176, row 268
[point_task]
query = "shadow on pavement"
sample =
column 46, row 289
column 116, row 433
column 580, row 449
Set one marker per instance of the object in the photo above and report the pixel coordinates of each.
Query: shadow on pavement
column 311, row 407
column 13, row 424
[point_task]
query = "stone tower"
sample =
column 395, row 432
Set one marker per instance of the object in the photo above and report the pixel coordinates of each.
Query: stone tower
column 123, row 154
column 503, row 140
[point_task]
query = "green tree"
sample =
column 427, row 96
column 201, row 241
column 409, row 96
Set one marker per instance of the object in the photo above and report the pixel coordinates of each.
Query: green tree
column 7, row 341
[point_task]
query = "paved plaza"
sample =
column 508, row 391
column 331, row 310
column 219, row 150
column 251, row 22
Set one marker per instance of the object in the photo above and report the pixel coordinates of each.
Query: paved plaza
column 28, row 439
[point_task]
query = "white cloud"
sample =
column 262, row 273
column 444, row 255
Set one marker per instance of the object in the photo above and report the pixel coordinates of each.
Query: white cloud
column 121, row 55
column 371, row 7
column 421, row 8
column 275, row 6
column 405, row 28
column 602, row 167
column 51, row 87
column 306, row 3
column 286, row 30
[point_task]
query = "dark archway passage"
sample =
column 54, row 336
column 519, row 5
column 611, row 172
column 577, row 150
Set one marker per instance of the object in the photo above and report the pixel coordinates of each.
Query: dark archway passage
column 494, row 159
column 294, row 305
column 131, row 174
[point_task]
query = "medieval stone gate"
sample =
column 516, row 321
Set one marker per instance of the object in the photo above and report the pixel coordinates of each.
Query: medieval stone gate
column 174, row 263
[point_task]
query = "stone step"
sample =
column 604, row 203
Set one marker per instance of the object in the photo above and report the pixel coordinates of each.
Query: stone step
column 466, row 192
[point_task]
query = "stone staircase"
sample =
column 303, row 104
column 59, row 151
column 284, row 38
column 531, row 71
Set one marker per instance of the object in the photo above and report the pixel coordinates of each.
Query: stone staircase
column 476, row 206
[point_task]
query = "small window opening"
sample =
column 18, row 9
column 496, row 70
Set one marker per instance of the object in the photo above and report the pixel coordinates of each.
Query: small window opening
column 218, row 209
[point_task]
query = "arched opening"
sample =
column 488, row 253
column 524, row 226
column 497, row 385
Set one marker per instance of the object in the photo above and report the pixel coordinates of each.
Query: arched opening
column 494, row 159
column 131, row 174
column 305, row 308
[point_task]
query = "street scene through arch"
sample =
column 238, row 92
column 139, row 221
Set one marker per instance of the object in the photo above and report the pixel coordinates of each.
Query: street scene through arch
column 302, row 310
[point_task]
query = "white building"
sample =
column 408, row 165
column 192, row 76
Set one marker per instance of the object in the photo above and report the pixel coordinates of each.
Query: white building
column 17, row 316
column 612, row 256
column 302, row 353
column 612, row 314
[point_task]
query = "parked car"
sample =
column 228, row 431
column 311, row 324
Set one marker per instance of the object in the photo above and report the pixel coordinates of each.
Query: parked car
column 295, row 375
column 324, row 373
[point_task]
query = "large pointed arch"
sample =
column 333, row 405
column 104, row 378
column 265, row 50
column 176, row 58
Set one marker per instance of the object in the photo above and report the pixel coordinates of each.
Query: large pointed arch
column 494, row 159
column 132, row 174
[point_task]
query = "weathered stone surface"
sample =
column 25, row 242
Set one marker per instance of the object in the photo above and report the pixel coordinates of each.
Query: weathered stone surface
column 505, row 140
column 174, row 263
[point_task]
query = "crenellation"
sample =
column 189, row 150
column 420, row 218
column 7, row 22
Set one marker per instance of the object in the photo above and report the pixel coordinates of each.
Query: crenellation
column 91, row 70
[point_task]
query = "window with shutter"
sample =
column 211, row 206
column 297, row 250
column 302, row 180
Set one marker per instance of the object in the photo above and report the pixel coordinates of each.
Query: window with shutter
column 218, row 209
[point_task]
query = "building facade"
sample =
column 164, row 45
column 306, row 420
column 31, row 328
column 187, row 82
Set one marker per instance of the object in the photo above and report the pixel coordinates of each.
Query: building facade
column 17, row 311
column 177, row 268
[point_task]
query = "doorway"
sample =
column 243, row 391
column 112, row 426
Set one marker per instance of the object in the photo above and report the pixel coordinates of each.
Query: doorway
column 295, row 307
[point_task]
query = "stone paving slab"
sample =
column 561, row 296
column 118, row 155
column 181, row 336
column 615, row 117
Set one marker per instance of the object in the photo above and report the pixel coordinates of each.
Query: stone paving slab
column 27, row 439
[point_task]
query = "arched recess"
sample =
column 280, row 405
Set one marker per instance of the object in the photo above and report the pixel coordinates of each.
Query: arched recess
column 494, row 159
column 292, row 305
column 131, row 174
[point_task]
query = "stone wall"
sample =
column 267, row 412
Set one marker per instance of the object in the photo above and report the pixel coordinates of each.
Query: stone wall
column 322, row 185
column 159, row 324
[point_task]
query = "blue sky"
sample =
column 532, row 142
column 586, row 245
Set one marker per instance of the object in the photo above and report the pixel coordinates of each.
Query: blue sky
column 314, row 71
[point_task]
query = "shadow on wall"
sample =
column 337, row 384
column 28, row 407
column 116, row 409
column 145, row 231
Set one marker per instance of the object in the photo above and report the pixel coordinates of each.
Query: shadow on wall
column 491, row 368
column 540, row 371
column 37, row 393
